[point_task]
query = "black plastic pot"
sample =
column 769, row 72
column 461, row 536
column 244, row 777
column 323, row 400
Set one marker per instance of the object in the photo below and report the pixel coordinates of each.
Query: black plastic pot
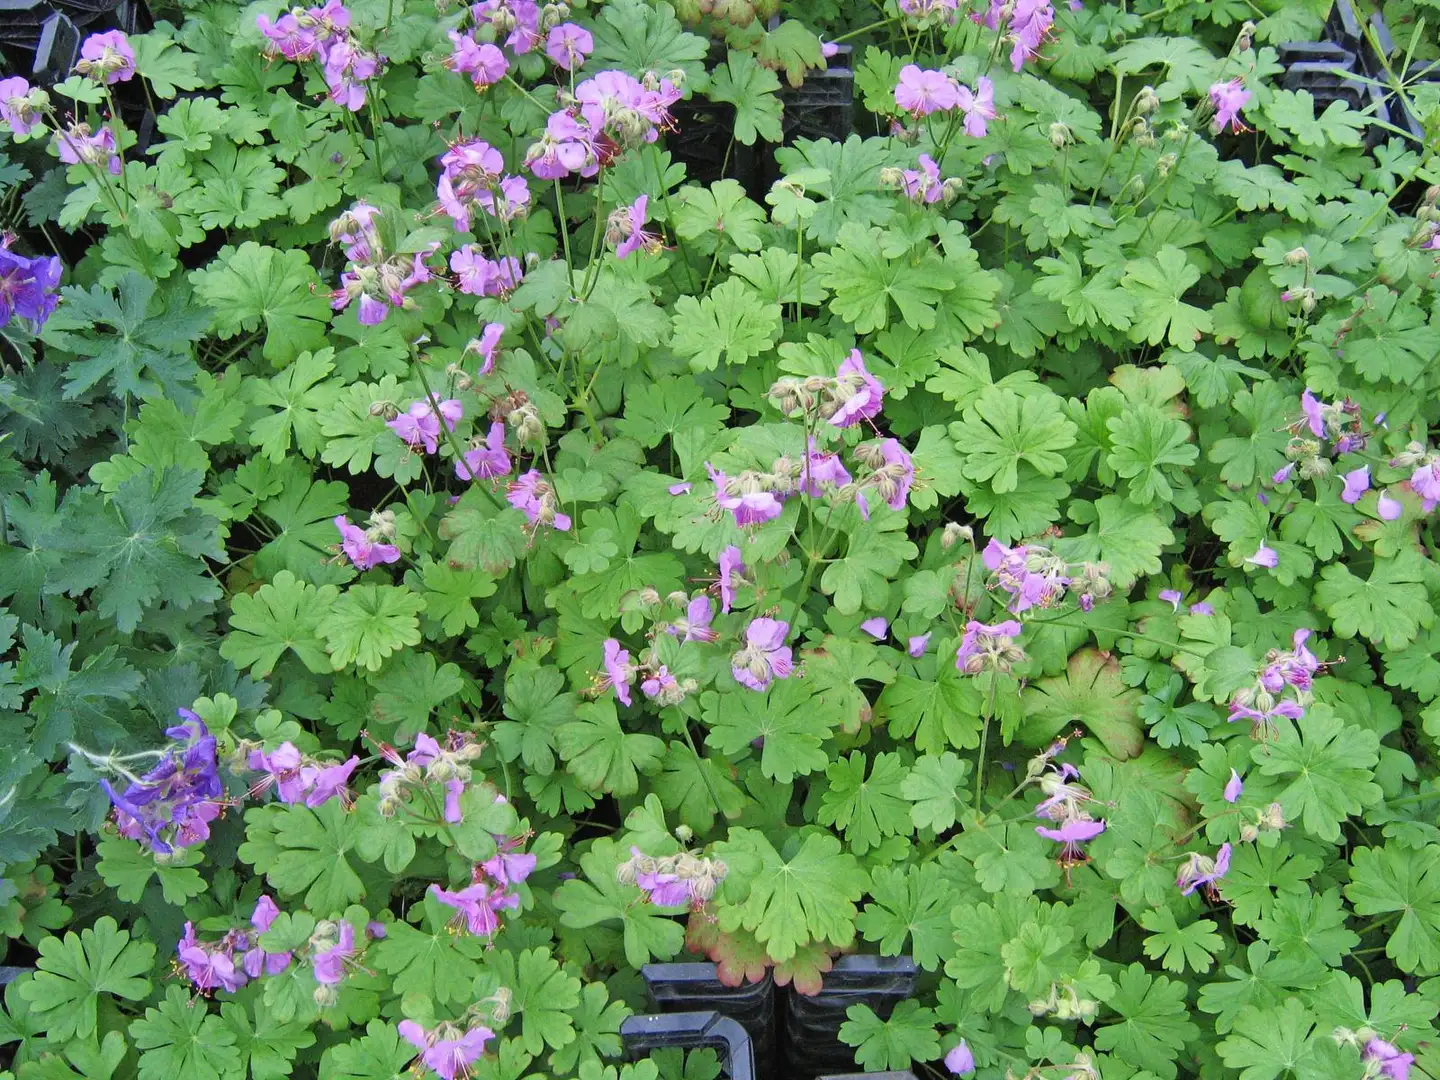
column 906, row 1075
column 823, row 106
column 812, row 1024
column 697, row 987
column 692, row 1031
column 41, row 38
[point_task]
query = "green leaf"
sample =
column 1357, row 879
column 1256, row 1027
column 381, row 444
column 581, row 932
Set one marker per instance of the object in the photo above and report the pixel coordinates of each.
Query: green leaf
column 1004, row 429
column 866, row 809
column 303, row 850
column 911, row 904
column 1330, row 763
column 1149, row 447
column 282, row 615
column 379, row 1054
column 742, row 82
column 661, row 409
column 877, row 549
column 936, row 784
column 182, row 1038
column 127, row 868
column 164, row 65
column 64, row 994
column 1091, row 693
column 1178, row 947
column 786, row 903
column 597, row 1035
column 1389, row 608
column 939, row 713
column 909, row 1035
column 1156, row 286
column 792, row 730
column 1152, row 1027
column 432, row 959
column 600, row 899
column 835, row 668
column 251, row 286
column 865, row 279
column 1391, row 879
column 731, row 323
column 299, row 398
column 1272, row 1042
column 266, row 1047
column 601, row 755
column 1294, row 111
column 638, row 37
column 368, row 623
column 706, row 215
column 1126, row 538
column 543, row 994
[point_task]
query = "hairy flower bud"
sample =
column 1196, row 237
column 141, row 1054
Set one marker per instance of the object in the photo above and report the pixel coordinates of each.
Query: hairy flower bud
column 1147, row 101
column 326, row 996
column 952, row 534
column 1060, row 135
column 1296, row 256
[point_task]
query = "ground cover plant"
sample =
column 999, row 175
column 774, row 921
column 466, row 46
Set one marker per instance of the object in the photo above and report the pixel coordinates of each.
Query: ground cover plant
column 450, row 556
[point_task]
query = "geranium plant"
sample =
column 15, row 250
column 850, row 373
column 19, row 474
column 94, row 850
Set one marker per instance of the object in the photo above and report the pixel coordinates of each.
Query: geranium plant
column 450, row 558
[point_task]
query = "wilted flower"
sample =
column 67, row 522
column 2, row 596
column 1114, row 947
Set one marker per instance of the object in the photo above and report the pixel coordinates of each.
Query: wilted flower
column 877, row 627
column 1265, row 556
column 731, row 570
column 1357, row 482
column 1234, row 787
column 960, row 1061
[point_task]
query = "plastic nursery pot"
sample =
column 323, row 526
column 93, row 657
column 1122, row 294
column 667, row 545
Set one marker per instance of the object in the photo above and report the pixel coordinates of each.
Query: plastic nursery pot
column 57, row 49
column 823, row 106
column 906, row 1075
column 812, row 1024
column 694, row 987
column 704, row 142
column 692, row 1031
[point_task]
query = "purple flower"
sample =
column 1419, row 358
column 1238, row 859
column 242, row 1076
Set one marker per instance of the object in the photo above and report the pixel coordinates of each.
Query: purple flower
column 860, row 394
column 329, row 964
column 420, row 424
column 1173, row 597
column 1265, row 556
column 978, row 106
column 1357, row 482
column 1202, row 608
column 16, row 108
column 107, row 57
column 287, row 38
column 1030, row 23
column 568, row 145
column 535, row 498
column 509, row 867
column 923, row 185
column 1282, row 476
column 662, row 888
column 662, row 682
column 454, row 788
column 477, row 907
column 822, row 470
column 1234, row 787
column 695, row 626
column 1229, row 98
column 1425, row 482
column 363, row 552
column 1388, row 508
column 732, row 568
column 478, row 276
column 960, row 1061
column 1393, row 1063
column 567, row 45
column 619, row 672
column 488, row 461
column 765, row 655
column 1030, row 574
column 209, row 967
column 1262, row 721
column 682, row 488
column 920, row 92
column 446, row 1051
column 282, row 766
column 27, row 286
column 257, row 961
column 355, row 231
column 916, row 645
column 1071, row 835
column 487, row 345
column 877, row 627
column 982, row 645
column 627, row 230
column 1199, row 870
column 484, row 63
column 172, row 805
column 521, row 16
column 1314, row 414
column 327, row 782
column 507, row 200
column 750, row 507
column 893, row 479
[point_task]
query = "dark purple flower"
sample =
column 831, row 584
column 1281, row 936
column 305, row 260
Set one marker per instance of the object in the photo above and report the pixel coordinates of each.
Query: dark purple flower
column 27, row 286
column 172, row 805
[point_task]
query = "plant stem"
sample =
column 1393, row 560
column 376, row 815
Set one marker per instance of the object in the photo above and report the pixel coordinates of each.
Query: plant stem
column 984, row 739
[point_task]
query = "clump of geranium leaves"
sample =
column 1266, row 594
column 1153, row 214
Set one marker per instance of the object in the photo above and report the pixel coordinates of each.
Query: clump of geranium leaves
column 451, row 557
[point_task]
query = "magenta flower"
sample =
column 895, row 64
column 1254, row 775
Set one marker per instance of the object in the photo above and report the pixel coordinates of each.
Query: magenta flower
column 509, row 867
column 507, row 200
column 628, row 227
column 1393, row 1063
column 420, row 424
column 981, row 642
column 1229, row 98
column 286, row 37
column 522, row 17
column 478, row 276
column 1282, row 476
column 1265, row 556
column 363, row 552
column 960, row 1061
column 568, row 145
column 486, row 462
column 1314, row 414
column 1389, row 508
column 923, row 185
column 347, row 69
column 877, row 627
column 619, row 672
column 257, row 961
column 916, row 645
column 327, row 782
column 483, row 62
column 1234, row 787
column 662, row 682
column 1027, row 573
column 892, row 480
column 487, row 345
column 1264, row 720
column 567, row 45
column 445, row 1051
column 750, row 507
column 330, row 964
column 282, row 766
column 732, row 569
column 477, row 907
column 822, row 471
column 16, row 109
column 209, row 967
column 454, row 788
column 765, row 656
column 1173, row 597
column 922, row 92
column 107, row 57
column 860, row 393
column 1357, row 482
column 695, row 626
column 1199, row 870
column 535, row 498
column 978, row 106
column 1030, row 23
column 1070, row 836
column 662, row 888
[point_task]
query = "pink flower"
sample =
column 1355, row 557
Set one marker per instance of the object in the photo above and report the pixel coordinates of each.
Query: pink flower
column 923, row 185
column 916, row 645
column 682, row 488
column 1229, row 98
column 877, row 627
column 765, row 655
column 960, row 1061
column 1030, row 23
column 1071, row 835
column 1202, row 608
column 897, row 475
column 1031, row 579
column 454, row 788
column 1393, row 1063
column 859, row 392
column 328, row 781
column 1234, row 787
column 1425, row 482
column 256, row 960
column 922, row 92
column 15, row 107
column 1314, row 414
column 507, row 200
column 488, row 461
column 1262, row 720
column 822, row 471
column 663, row 889
column 1265, row 556
column 288, row 38
column 732, row 568
column 982, row 644
column 363, row 552
column 283, row 768
column 629, row 226
column 329, row 965
column 477, row 907
column 347, row 69
column 1389, row 508
column 695, row 626
column 78, row 146
column 1357, row 482
column 479, row 276
column 487, row 344
column 662, row 682
column 535, row 498
column 567, row 45
column 619, row 672
column 748, row 507
column 209, row 967
column 509, row 868
column 484, row 63
column 445, row 1051
column 978, row 106
column 420, row 424
column 107, row 57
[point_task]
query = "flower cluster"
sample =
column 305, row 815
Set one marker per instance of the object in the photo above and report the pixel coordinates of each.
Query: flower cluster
column 235, row 959
column 1033, row 575
column 922, row 185
column 448, row 1050
column 323, row 34
column 764, row 657
column 27, row 286
column 672, row 880
column 1067, row 805
column 429, row 761
column 172, row 805
column 1282, row 688
column 79, row 145
column 365, row 548
column 472, row 173
column 535, row 497
column 377, row 279
column 921, row 92
column 607, row 115
column 1024, row 23
column 989, row 648
column 478, row 275
column 107, row 58
column 297, row 778
column 625, row 230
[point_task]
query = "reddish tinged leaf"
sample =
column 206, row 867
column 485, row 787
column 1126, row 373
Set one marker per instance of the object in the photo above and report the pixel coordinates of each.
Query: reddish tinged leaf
column 738, row 957
column 805, row 968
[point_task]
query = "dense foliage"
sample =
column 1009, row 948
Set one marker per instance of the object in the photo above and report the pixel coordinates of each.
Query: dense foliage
column 450, row 556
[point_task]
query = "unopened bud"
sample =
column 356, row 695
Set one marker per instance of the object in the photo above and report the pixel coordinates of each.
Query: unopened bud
column 1147, row 101
column 326, row 996
column 1296, row 256
column 684, row 833
column 952, row 534
column 891, row 176
column 1060, row 135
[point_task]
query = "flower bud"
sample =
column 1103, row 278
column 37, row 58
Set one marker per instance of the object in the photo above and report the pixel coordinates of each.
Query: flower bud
column 684, row 833
column 326, row 996
column 1147, row 101
column 1060, row 135
column 952, row 534
column 1296, row 256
